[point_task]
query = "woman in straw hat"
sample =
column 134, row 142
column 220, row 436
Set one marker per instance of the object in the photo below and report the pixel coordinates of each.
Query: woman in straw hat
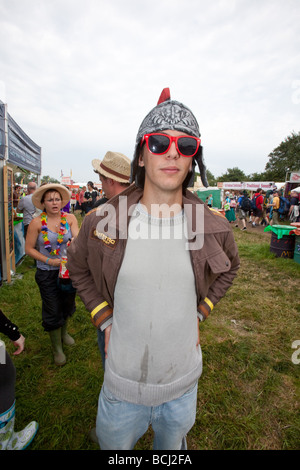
column 46, row 242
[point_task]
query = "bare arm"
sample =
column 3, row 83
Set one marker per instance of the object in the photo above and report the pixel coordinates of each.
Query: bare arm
column 72, row 221
column 30, row 243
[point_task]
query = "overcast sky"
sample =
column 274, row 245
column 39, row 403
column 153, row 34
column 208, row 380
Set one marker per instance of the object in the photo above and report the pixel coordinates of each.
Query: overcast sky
column 80, row 76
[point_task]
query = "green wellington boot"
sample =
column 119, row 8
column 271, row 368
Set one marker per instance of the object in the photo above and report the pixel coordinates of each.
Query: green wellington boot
column 66, row 338
column 56, row 341
column 10, row 440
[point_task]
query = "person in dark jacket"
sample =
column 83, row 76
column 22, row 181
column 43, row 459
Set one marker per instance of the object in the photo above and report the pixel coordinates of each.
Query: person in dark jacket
column 10, row 439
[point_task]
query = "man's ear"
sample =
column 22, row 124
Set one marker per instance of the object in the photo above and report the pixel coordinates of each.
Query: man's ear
column 141, row 161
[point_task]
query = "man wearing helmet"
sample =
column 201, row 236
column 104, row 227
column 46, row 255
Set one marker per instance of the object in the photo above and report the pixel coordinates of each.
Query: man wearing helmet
column 150, row 280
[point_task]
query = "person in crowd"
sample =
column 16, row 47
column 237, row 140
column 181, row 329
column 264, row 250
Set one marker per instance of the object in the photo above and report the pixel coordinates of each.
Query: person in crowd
column 73, row 201
column 77, row 205
column 148, row 274
column 229, row 207
column 275, row 206
column 81, row 200
column 264, row 218
column 210, row 200
column 90, row 197
column 242, row 214
column 16, row 195
column 233, row 206
column 226, row 205
column 46, row 242
column 294, row 213
column 257, row 211
column 114, row 174
column 268, row 199
column 67, row 207
column 10, row 439
column 26, row 206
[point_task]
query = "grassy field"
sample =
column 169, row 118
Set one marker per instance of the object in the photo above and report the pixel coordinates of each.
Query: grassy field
column 248, row 395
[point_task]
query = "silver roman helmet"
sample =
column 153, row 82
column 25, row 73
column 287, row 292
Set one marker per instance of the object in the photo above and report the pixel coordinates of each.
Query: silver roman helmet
column 168, row 114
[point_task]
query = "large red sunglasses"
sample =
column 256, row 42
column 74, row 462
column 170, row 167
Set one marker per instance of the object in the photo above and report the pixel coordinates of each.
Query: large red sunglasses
column 159, row 144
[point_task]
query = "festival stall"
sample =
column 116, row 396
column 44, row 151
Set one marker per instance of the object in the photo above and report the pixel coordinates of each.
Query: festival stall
column 17, row 152
column 292, row 182
column 205, row 193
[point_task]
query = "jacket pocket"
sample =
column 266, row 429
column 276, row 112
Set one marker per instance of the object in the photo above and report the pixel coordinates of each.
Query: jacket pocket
column 219, row 263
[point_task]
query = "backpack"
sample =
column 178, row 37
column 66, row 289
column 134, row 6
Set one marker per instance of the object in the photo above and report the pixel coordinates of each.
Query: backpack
column 266, row 200
column 294, row 214
column 284, row 205
column 246, row 204
column 253, row 203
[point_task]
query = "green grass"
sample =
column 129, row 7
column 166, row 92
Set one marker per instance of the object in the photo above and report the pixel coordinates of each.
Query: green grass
column 248, row 395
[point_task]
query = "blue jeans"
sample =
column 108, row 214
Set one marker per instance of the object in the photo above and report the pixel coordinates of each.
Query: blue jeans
column 120, row 424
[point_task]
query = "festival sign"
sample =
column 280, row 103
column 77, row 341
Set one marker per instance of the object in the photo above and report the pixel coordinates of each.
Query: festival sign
column 250, row 185
column 22, row 151
column 66, row 180
column 295, row 177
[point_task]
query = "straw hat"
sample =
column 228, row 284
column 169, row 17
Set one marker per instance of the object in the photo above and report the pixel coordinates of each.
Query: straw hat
column 38, row 194
column 114, row 165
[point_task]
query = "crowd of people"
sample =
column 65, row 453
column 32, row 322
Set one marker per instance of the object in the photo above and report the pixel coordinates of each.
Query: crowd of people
column 262, row 209
column 146, row 294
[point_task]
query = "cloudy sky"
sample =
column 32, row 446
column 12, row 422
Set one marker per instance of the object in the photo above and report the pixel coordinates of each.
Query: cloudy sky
column 80, row 76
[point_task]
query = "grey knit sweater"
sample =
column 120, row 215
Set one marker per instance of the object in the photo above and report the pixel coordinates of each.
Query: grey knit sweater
column 152, row 355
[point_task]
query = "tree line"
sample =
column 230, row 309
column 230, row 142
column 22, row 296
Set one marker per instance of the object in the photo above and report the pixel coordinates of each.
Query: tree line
column 282, row 160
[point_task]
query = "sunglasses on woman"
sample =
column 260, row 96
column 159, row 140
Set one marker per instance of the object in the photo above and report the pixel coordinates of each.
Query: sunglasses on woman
column 158, row 144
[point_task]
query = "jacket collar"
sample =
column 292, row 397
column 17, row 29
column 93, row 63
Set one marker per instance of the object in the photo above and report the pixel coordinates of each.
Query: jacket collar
column 200, row 219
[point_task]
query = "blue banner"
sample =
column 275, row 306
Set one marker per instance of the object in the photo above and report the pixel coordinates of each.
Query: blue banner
column 19, row 241
column 2, row 130
column 22, row 151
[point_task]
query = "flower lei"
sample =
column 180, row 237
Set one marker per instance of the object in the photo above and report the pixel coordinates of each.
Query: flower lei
column 60, row 236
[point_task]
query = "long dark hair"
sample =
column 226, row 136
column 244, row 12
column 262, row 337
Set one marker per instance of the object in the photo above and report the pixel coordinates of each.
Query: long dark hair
column 90, row 183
